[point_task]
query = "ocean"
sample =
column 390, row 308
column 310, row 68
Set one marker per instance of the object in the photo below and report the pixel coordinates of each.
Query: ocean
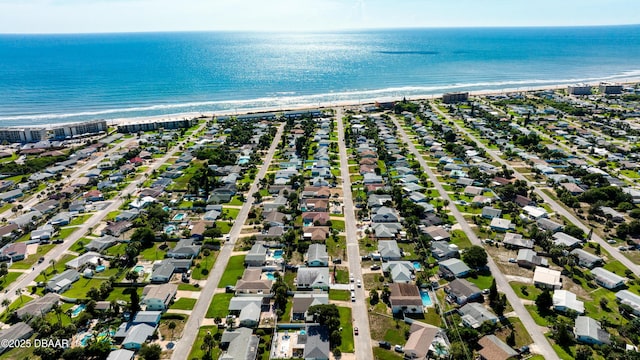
column 47, row 79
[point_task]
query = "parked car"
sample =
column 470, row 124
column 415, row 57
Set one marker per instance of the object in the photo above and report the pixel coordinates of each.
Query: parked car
column 375, row 267
column 229, row 289
column 355, row 331
column 398, row 348
column 41, row 260
column 359, row 283
column 384, row 345
column 512, row 260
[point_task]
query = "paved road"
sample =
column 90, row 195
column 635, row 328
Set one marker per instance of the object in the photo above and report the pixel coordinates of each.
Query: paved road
column 56, row 253
column 359, row 309
column 183, row 346
column 541, row 345
column 554, row 204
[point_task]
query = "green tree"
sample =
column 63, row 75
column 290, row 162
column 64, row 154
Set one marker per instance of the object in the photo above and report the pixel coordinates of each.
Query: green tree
column 135, row 301
column 150, row 352
column 544, row 301
column 329, row 316
column 144, row 235
column 493, row 291
column 475, row 257
column 584, row 353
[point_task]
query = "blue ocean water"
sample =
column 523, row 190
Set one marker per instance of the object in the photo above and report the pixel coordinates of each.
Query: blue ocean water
column 62, row 78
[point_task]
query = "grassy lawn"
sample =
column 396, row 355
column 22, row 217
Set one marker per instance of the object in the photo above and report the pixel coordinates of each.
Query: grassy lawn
column 234, row 271
column 79, row 245
column 152, row 253
column 79, row 220
column 224, row 226
column 196, row 351
column 117, row 249
column 206, row 263
column 188, row 287
column 536, row 317
column 123, row 293
column 64, row 233
column 112, row 215
column 522, row 336
column 286, row 317
column 481, row 281
column 79, row 289
column 219, row 306
column 338, row 225
column 232, row 212
column 530, row 292
column 383, row 354
column 184, row 304
column 9, row 278
column 339, row 295
column 384, row 327
column 342, row 276
column 23, row 299
column 458, row 237
column 236, row 201
column 347, row 329
column 33, row 258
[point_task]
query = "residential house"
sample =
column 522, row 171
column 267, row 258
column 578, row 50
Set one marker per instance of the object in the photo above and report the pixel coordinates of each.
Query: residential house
column 535, row 213
column 117, row 228
column 13, row 252
column 564, row 300
column 513, row 240
column 81, row 261
column 437, row 233
column 489, row 213
column 612, row 214
column 495, row 349
column 38, row 306
column 257, row 255
column 563, row 239
column 63, row 281
column 424, row 339
column 473, row 190
column 586, row 259
column 546, row 278
column 451, row 268
column 315, row 218
column 399, row 271
column 121, row 354
column 239, row 344
column 475, row 314
column 303, row 301
column 184, row 249
column 316, row 233
column 13, row 334
column 151, row 318
column 572, row 188
column 630, row 299
column 498, row 224
column 93, row 195
column 389, row 250
column 313, row 278
column 317, row 255
column 523, row 201
column 159, row 297
column 9, row 232
column 589, row 331
column 405, row 298
column 607, row 279
column 275, row 218
column 253, row 283
column 385, row 215
column 137, row 335
column 549, row 225
column 528, row 258
column 442, row 250
column 462, row 291
column 43, row 233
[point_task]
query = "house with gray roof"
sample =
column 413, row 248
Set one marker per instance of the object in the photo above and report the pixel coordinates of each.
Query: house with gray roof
column 607, row 279
column 317, row 255
column 489, row 213
column 567, row 240
column 82, row 260
column 137, row 335
column 121, row 354
column 63, row 281
column 442, row 250
column 385, row 215
column 239, row 344
column 474, row 314
column 389, row 250
column 18, row 331
column 316, row 343
column 250, row 315
column 528, row 258
column 303, row 301
column 313, row 278
column 462, row 291
column 159, row 297
column 184, row 249
column 628, row 298
column 549, row 225
column 499, row 224
column 38, row 306
column 257, row 255
column 101, row 243
column 25, row 219
column 451, row 268
column 514, row 240
column 589, row 331
column 586, row 259
column 151, row 318
column 399, row 271
column 162, row 271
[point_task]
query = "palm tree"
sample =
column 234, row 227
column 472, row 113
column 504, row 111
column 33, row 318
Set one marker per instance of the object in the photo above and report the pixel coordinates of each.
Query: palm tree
column 172, row 327
column 208, row 344
column 6, row 302
column 19, row 293
column 52, row 262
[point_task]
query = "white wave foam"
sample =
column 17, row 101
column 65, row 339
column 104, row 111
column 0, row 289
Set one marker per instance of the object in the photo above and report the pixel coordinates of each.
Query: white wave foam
column 285, row 100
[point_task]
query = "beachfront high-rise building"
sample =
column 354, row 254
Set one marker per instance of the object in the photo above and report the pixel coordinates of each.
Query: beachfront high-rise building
column 155, row 125
column 610, row 89
column 22, row 135
column 580, row 89
column 79, row 129
column 451, row 98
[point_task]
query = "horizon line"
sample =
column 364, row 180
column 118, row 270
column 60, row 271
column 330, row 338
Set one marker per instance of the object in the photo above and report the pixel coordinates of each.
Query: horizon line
column 302, row 31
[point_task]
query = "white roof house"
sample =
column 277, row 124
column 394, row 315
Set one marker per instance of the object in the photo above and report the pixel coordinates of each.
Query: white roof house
column 628, row 298
column 607, row 279
column 564, row 300
column 547, row 278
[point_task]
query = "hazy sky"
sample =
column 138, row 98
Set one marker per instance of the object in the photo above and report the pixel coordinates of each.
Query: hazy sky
column 69, row 16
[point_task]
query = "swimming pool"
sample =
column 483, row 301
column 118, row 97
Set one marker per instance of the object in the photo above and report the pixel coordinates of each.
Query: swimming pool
column 417, row 266
column 271, row 276
column 85, row 339
column 278, row 254
column 78, row 309
column 100, row 268
column 179, row 217
column 138, row 269
column 426, row 299
column 166, row 208
column 169, row 229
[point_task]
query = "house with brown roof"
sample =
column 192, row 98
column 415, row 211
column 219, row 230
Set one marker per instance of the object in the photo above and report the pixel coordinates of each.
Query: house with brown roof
column 316, row 233
column 405, row 298
column 320, row 205
column 13, row 252
column 572, row 188
column 523, row 201
column 198, row 229
column 424, row 338
column 368, row 161
column 315, row 218
column 93, row 195
column 495, row 349
column 253, row 283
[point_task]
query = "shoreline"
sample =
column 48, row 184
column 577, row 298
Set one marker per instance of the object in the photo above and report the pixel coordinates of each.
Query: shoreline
column 315, row 105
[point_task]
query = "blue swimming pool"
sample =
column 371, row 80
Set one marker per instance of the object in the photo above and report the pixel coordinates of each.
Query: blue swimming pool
column 179, row 217
column 169, row 229
column 80, row 308
column 278, row 254
column 417, row 266
column 100, row 268
column 138, row 269
column 271, row 276
column 426, row 299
